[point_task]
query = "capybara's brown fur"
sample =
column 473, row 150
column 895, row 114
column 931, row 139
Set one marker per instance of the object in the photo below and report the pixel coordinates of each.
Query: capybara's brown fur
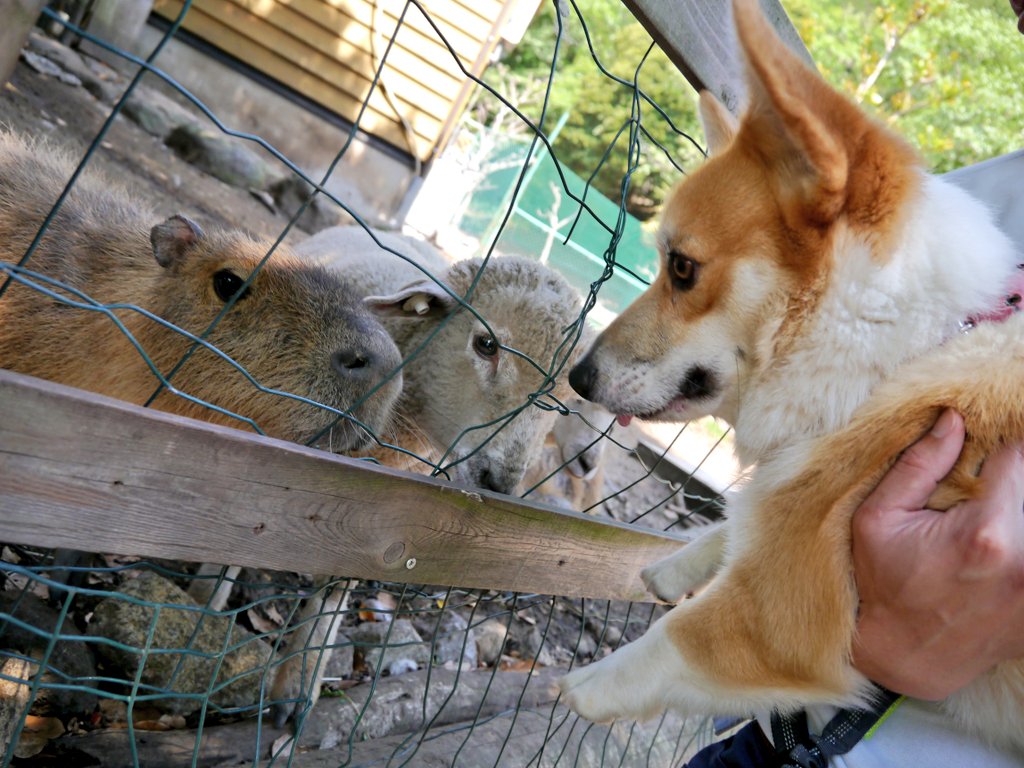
column 296, row 329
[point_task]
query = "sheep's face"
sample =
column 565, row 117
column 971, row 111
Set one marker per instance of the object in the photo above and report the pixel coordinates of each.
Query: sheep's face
column 472, row 389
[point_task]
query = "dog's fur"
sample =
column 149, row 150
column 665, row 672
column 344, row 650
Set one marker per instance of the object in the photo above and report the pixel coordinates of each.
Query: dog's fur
column 819, row 316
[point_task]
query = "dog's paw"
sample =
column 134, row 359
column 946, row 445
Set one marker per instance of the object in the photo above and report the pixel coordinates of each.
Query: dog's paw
column 634, row 683
column 670, row 580
column 587, row 692
column 658, row 583
column 688, row 570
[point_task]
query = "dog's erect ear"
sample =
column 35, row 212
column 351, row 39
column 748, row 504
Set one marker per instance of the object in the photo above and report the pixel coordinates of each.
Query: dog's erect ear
column 719, row 123
column 794, row 120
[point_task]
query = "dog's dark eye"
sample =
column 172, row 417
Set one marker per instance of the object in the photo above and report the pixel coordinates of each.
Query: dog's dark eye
column 485, row 345
column 226, row 284
column 683, row 270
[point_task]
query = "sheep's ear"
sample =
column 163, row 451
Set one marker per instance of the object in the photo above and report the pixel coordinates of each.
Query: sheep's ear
column 720, row 125
column 421, row 299
column 173, row 239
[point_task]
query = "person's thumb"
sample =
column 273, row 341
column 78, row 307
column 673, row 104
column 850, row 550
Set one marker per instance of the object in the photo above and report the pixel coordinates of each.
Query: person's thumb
column 916, row 474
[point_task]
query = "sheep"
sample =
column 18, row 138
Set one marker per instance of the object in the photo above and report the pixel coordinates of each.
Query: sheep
column 464, row 378
column 466, row 403
column 570, row 471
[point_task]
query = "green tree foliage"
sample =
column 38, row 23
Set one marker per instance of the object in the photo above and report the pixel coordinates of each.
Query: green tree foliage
column 945, row 74
column 599, row 108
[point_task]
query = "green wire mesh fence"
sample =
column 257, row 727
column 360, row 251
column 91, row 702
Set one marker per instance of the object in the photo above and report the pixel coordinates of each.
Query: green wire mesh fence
column 113, row 660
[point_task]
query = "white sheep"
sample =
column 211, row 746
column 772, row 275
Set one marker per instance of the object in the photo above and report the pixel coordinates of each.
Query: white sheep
column 353, row 251
column 570, row 471
column 470, row 377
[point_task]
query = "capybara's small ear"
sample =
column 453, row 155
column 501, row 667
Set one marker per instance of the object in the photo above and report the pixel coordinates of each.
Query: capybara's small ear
column 424, row 298
column 174, row 238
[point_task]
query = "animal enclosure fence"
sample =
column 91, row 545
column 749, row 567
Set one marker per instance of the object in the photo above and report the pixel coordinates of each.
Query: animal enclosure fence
column 456, row 609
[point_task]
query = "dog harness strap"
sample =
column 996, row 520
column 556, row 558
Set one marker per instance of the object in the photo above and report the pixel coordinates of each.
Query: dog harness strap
column 801, row 749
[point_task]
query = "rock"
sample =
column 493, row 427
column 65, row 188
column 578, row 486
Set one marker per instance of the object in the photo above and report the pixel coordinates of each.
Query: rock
column 128, row 623
column 104, row 88
column 587, row 646
column 265, row 199
column 490, row 641
column 220, row 155
column 102, row 91
column 404, row 642
column 156, row 113
column 44, row 66
column 342, row 660
column 609, row 633
column 402, row 667
column 452, row 634
column 290, row 193
column 71, row 660
column 13, row 695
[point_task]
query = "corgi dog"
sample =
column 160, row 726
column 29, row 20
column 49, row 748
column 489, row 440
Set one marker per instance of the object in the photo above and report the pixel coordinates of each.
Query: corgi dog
column 814, row 289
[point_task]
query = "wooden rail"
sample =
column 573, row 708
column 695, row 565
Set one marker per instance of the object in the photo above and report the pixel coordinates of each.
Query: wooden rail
column 699, row 38
column 83, row 471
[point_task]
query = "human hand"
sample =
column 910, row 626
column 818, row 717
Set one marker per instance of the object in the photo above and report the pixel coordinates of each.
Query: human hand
column 941, row 594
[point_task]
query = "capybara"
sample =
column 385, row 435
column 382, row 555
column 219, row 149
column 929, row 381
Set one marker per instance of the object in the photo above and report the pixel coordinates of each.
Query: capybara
column 296, row 328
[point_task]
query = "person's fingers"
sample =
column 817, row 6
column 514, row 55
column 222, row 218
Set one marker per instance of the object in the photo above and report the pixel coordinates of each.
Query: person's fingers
column 992, row 522
column 1002, row 477
column 914, row 477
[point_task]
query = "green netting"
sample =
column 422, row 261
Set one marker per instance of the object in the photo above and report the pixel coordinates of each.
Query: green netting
column 548, row 224
column 107, row 659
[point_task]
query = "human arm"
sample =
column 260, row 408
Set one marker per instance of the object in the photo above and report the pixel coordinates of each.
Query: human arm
column 941, row 594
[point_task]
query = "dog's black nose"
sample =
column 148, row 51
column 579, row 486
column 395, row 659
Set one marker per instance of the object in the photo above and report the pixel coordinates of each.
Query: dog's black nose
column 582, row 378
column 699, row 383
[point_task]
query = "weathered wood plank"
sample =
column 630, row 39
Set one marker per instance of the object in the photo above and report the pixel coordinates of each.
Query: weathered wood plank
column 82, row 471
column 699, row 38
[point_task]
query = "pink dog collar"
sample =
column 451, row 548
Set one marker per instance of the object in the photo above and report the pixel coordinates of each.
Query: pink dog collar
column 1012, row 302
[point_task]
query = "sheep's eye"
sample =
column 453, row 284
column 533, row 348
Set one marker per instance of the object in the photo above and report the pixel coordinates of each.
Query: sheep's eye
column 226, row 284
column 683, row 270
column 485, row 345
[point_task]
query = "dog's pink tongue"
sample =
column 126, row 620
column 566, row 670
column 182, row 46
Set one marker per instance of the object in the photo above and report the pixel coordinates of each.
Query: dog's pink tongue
column 623, row 420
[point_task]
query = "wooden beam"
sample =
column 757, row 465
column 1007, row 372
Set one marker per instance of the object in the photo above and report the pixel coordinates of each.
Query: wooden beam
column 700, row 39
column 82, row 471
column 18, row 18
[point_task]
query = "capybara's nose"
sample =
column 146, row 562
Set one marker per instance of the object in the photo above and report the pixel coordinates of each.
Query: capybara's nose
column 355, row 363
column 499, row 482
column 582, row 377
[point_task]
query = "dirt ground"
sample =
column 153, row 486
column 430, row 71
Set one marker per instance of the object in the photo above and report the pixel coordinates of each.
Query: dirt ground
column 69, row 117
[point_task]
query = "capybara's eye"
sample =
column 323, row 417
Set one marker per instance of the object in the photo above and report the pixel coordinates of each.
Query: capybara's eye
column 683, row 270
column 485, row 345
column 226, row 284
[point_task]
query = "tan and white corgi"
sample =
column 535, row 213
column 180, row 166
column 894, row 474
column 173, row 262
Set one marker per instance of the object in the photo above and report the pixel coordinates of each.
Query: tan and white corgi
column 814, row 285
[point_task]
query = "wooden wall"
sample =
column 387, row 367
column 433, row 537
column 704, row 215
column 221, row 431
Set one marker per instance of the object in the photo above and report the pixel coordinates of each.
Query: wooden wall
column 329, row 50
